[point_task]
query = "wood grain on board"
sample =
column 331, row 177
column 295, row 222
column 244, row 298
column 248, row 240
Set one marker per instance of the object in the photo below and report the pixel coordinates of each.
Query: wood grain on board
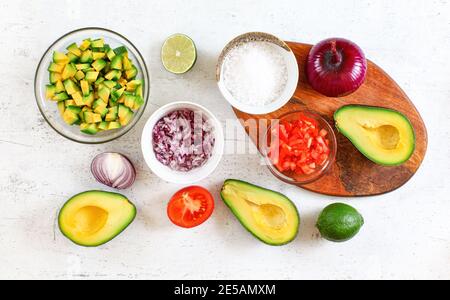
column 353, row 174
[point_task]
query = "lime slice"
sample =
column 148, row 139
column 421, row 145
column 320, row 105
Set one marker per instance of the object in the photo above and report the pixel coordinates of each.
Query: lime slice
column 178, row 54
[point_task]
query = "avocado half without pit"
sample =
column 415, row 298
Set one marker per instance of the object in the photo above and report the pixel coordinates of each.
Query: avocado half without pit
column 94, row 218
column 268, row 215
column 384, row 136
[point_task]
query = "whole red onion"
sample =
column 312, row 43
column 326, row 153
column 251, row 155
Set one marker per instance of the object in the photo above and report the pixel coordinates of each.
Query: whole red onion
column 336, row 67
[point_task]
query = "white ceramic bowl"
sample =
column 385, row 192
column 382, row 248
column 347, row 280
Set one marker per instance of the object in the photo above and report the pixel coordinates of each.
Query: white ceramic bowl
column 292, row 69
column 166, row 173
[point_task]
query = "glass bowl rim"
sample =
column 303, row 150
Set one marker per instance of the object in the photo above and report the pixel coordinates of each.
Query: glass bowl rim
column 145, row 75
column 331, row 159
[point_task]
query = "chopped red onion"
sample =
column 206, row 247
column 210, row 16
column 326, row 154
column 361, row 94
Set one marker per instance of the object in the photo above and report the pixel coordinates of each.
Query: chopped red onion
column 183, row 140
column 114, row 170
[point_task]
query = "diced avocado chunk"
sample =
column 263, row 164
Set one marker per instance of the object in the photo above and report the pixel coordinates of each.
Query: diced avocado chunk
column 55, row 77
column 110, row 54
column 84, row 87
column 86, row 57
column 71, row 115
column 112, row 114
column 121, row 50
column 73, row 48
column 73, row 58
column 88, row 128
column 129, row 101
column 60, row 87
column 140, row 91
column 125, row 115
column 85, row 45
column 79, row 75
column 60, row 58
column 133, row 85
column 99, row 64
column 139, row 101
column 98, row 55
column 70, row 86
column 69, row 103
column 54, row 67
column 78, row 98
column 99, row 107
column 99, row 43
column 116, row 63
column 103, row 126
column 114, row 125
column 122, row 82
column 61, row 107
column 69, row 71
column 91, row 76
column 113, row 75
column 104, row 94
column 89, row 100
column 82, row 67
column 132, row 73
column 61, row 97
column 109, row 84
column 91, row 117
column 50, row 91
column 118, row 93
column 126, row 62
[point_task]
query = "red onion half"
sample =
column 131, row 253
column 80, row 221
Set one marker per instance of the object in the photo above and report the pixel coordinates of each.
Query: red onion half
column 336, row 67
column 114, row 170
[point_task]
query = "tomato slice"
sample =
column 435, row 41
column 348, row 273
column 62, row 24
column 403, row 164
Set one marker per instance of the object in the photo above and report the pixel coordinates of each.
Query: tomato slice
column 190, row 207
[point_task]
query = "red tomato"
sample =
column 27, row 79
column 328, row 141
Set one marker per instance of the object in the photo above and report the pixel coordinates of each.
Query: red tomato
column 190, row 207
column 299, row 146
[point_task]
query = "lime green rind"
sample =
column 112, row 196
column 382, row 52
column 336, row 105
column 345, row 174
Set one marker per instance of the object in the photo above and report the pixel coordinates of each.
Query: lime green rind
column 339, row 222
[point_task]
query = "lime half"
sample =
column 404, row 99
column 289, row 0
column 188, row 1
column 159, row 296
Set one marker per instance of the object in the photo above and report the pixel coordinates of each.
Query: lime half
column 178, row 54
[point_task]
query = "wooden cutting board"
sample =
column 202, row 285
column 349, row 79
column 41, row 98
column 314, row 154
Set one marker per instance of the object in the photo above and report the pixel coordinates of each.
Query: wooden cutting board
column 353, row 174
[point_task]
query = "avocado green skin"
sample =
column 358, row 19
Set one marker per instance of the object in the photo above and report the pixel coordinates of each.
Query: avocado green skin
column 236, row 214
column 107, row 240
column 360, row 149
column 339, row 222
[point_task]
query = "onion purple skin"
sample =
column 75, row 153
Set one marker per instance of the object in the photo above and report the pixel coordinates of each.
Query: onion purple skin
column 100, row 168
column 336, row 73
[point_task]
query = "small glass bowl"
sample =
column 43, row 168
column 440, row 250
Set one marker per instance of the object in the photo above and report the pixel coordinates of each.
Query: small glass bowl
column 49, row 108
column 292, row 177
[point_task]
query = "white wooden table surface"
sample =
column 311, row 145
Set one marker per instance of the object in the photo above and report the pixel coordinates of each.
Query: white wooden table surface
column 407, row 232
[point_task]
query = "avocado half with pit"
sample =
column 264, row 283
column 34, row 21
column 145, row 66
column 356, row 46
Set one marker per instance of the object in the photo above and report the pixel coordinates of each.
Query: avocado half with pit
column 94, row 218
column 270, row 216
column 383, row 135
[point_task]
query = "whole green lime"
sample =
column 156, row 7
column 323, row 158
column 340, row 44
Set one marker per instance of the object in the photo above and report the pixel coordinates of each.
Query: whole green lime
column 339, row 222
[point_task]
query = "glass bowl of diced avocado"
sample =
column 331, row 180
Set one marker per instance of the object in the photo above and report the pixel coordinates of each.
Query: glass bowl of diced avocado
column 92, row 85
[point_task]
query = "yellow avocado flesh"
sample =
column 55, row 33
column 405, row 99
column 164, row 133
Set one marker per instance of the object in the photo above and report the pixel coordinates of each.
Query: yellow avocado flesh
column 95, row 217
column 268, row 215
column 384, row 136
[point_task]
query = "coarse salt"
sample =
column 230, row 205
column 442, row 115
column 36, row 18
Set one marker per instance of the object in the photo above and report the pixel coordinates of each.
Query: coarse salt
column 255, row 73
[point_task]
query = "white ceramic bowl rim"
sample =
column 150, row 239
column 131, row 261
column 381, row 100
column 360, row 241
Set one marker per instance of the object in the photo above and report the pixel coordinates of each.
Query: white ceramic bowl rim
column 164, row 172
column 291, row 85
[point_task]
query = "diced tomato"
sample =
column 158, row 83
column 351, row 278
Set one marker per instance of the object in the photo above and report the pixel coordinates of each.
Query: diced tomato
column 299, row 146
column 323, row 133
